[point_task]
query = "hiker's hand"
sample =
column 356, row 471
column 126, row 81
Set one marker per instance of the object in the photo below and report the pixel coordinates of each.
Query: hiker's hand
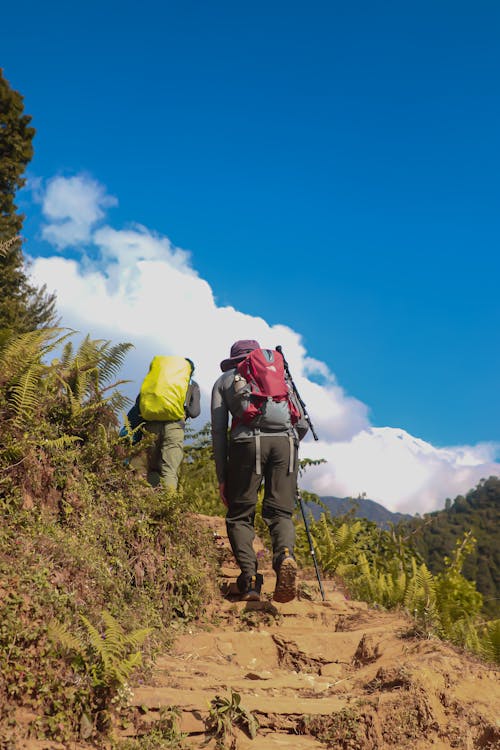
column 222, row 493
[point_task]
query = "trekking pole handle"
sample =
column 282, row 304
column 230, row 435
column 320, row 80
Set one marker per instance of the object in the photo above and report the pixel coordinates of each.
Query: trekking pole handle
column 297, row 394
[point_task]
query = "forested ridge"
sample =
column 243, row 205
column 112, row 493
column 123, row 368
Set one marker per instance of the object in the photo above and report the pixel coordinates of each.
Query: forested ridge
column 478, row 511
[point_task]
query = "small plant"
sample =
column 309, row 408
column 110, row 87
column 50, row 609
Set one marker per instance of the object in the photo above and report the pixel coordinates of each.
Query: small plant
column 165, row 735
column 107, row 659
column 490, row 641
column 226, row 713
column 265, row 616
column 340, row 730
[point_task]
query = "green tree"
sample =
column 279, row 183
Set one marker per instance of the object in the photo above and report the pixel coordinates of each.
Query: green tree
column 22, row 306
column 478, row 512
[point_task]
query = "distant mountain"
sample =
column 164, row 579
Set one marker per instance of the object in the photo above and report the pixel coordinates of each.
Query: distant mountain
column 364, row 508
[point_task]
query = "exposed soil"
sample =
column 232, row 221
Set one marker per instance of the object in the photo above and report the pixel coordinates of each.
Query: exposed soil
column 315, row 674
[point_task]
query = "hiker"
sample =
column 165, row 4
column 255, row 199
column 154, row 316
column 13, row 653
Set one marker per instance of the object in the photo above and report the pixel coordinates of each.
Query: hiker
column 168, row 397
column 262, row 445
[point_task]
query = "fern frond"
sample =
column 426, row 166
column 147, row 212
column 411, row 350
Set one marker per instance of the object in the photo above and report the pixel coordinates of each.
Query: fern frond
column 115, row 635
column 127, row 666
column 24, row 350
column 463, row 633
column 59, row 634
column 20, row 352
column 66, row 355
column 426, row 582
column 25, row 395
column 87, row 353
column 490, row 641
column 97, row 642
column 112, row 360
column 58, row 340
column 138, row 637
column 61, row 443
column 118, row 402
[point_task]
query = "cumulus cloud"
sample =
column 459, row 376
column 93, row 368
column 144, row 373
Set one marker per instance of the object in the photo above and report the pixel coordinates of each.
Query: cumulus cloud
column 405, row 473
column 133, row 285
column 72, row 206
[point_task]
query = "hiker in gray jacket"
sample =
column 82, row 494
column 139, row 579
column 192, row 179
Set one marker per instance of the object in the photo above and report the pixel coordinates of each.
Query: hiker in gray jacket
column 250, row 454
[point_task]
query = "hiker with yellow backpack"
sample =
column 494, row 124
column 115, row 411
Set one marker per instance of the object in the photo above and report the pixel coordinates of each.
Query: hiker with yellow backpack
column 168, row 397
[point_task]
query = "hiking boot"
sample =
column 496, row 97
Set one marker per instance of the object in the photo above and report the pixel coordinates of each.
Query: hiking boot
column 250, row 587
column 286, row 579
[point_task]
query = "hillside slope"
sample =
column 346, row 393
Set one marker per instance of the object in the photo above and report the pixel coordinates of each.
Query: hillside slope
column 332, row 674
column 313, row 674
column 435, row 535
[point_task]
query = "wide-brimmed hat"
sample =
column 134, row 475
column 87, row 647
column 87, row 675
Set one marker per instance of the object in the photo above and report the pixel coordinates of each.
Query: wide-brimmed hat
column 239, row 351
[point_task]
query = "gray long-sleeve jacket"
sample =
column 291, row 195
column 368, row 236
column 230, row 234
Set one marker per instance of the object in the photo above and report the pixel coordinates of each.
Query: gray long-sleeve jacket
column 225, row 403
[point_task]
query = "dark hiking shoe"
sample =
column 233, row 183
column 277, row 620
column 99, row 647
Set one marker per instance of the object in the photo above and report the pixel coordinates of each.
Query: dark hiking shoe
column 286, row 579
column 250, row 587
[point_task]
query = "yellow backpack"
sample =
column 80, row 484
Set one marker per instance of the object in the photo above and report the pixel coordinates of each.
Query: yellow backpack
column 164, row 389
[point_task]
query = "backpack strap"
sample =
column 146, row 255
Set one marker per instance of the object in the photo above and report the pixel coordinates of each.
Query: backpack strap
column 291, row 443
column 258, row 459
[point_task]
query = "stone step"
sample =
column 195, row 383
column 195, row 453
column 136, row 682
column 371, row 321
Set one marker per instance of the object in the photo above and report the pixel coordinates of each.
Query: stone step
column 258, row 650
column 198, row 701
column 192, row 723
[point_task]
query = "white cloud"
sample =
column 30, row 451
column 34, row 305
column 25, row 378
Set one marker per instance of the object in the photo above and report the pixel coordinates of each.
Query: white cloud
column 136, row 286
column 403, row 472
column 73, row 205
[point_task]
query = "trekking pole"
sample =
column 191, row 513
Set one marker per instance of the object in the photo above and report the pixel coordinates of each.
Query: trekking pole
column 311, row 545
column 299, row 496
column 306, row 415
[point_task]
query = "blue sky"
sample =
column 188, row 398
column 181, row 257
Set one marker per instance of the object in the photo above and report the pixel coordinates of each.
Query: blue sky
column 330, row 167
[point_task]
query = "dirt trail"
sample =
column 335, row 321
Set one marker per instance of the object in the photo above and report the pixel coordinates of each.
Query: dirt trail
column 322, row 674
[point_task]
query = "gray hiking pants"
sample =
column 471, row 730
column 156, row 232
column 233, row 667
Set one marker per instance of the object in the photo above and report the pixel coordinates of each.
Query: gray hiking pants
column 280, row 485
column 166, row 455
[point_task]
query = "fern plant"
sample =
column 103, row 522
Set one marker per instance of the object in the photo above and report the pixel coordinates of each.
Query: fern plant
column 421, row 599
column 333, row 543
column 367, row 582
column 489, row 641
column 108, row 656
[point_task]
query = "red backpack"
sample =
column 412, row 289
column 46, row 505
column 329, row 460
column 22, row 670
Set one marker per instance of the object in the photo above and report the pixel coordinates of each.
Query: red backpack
column 264, row 395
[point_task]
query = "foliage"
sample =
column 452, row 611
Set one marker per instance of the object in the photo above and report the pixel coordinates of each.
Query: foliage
column 341, row 730
column 22, row 306
column 106, row 661
column 490, row 641
column 224, row 714
column 381, row 567
column 81, row 533
column 108, row 657
column 434, row 535
column 198, row 479
column 165, row 735
column 333, row 543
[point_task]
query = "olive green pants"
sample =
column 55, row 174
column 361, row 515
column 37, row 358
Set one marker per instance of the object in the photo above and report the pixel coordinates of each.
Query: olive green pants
column 280, row 488
column 165, row 457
